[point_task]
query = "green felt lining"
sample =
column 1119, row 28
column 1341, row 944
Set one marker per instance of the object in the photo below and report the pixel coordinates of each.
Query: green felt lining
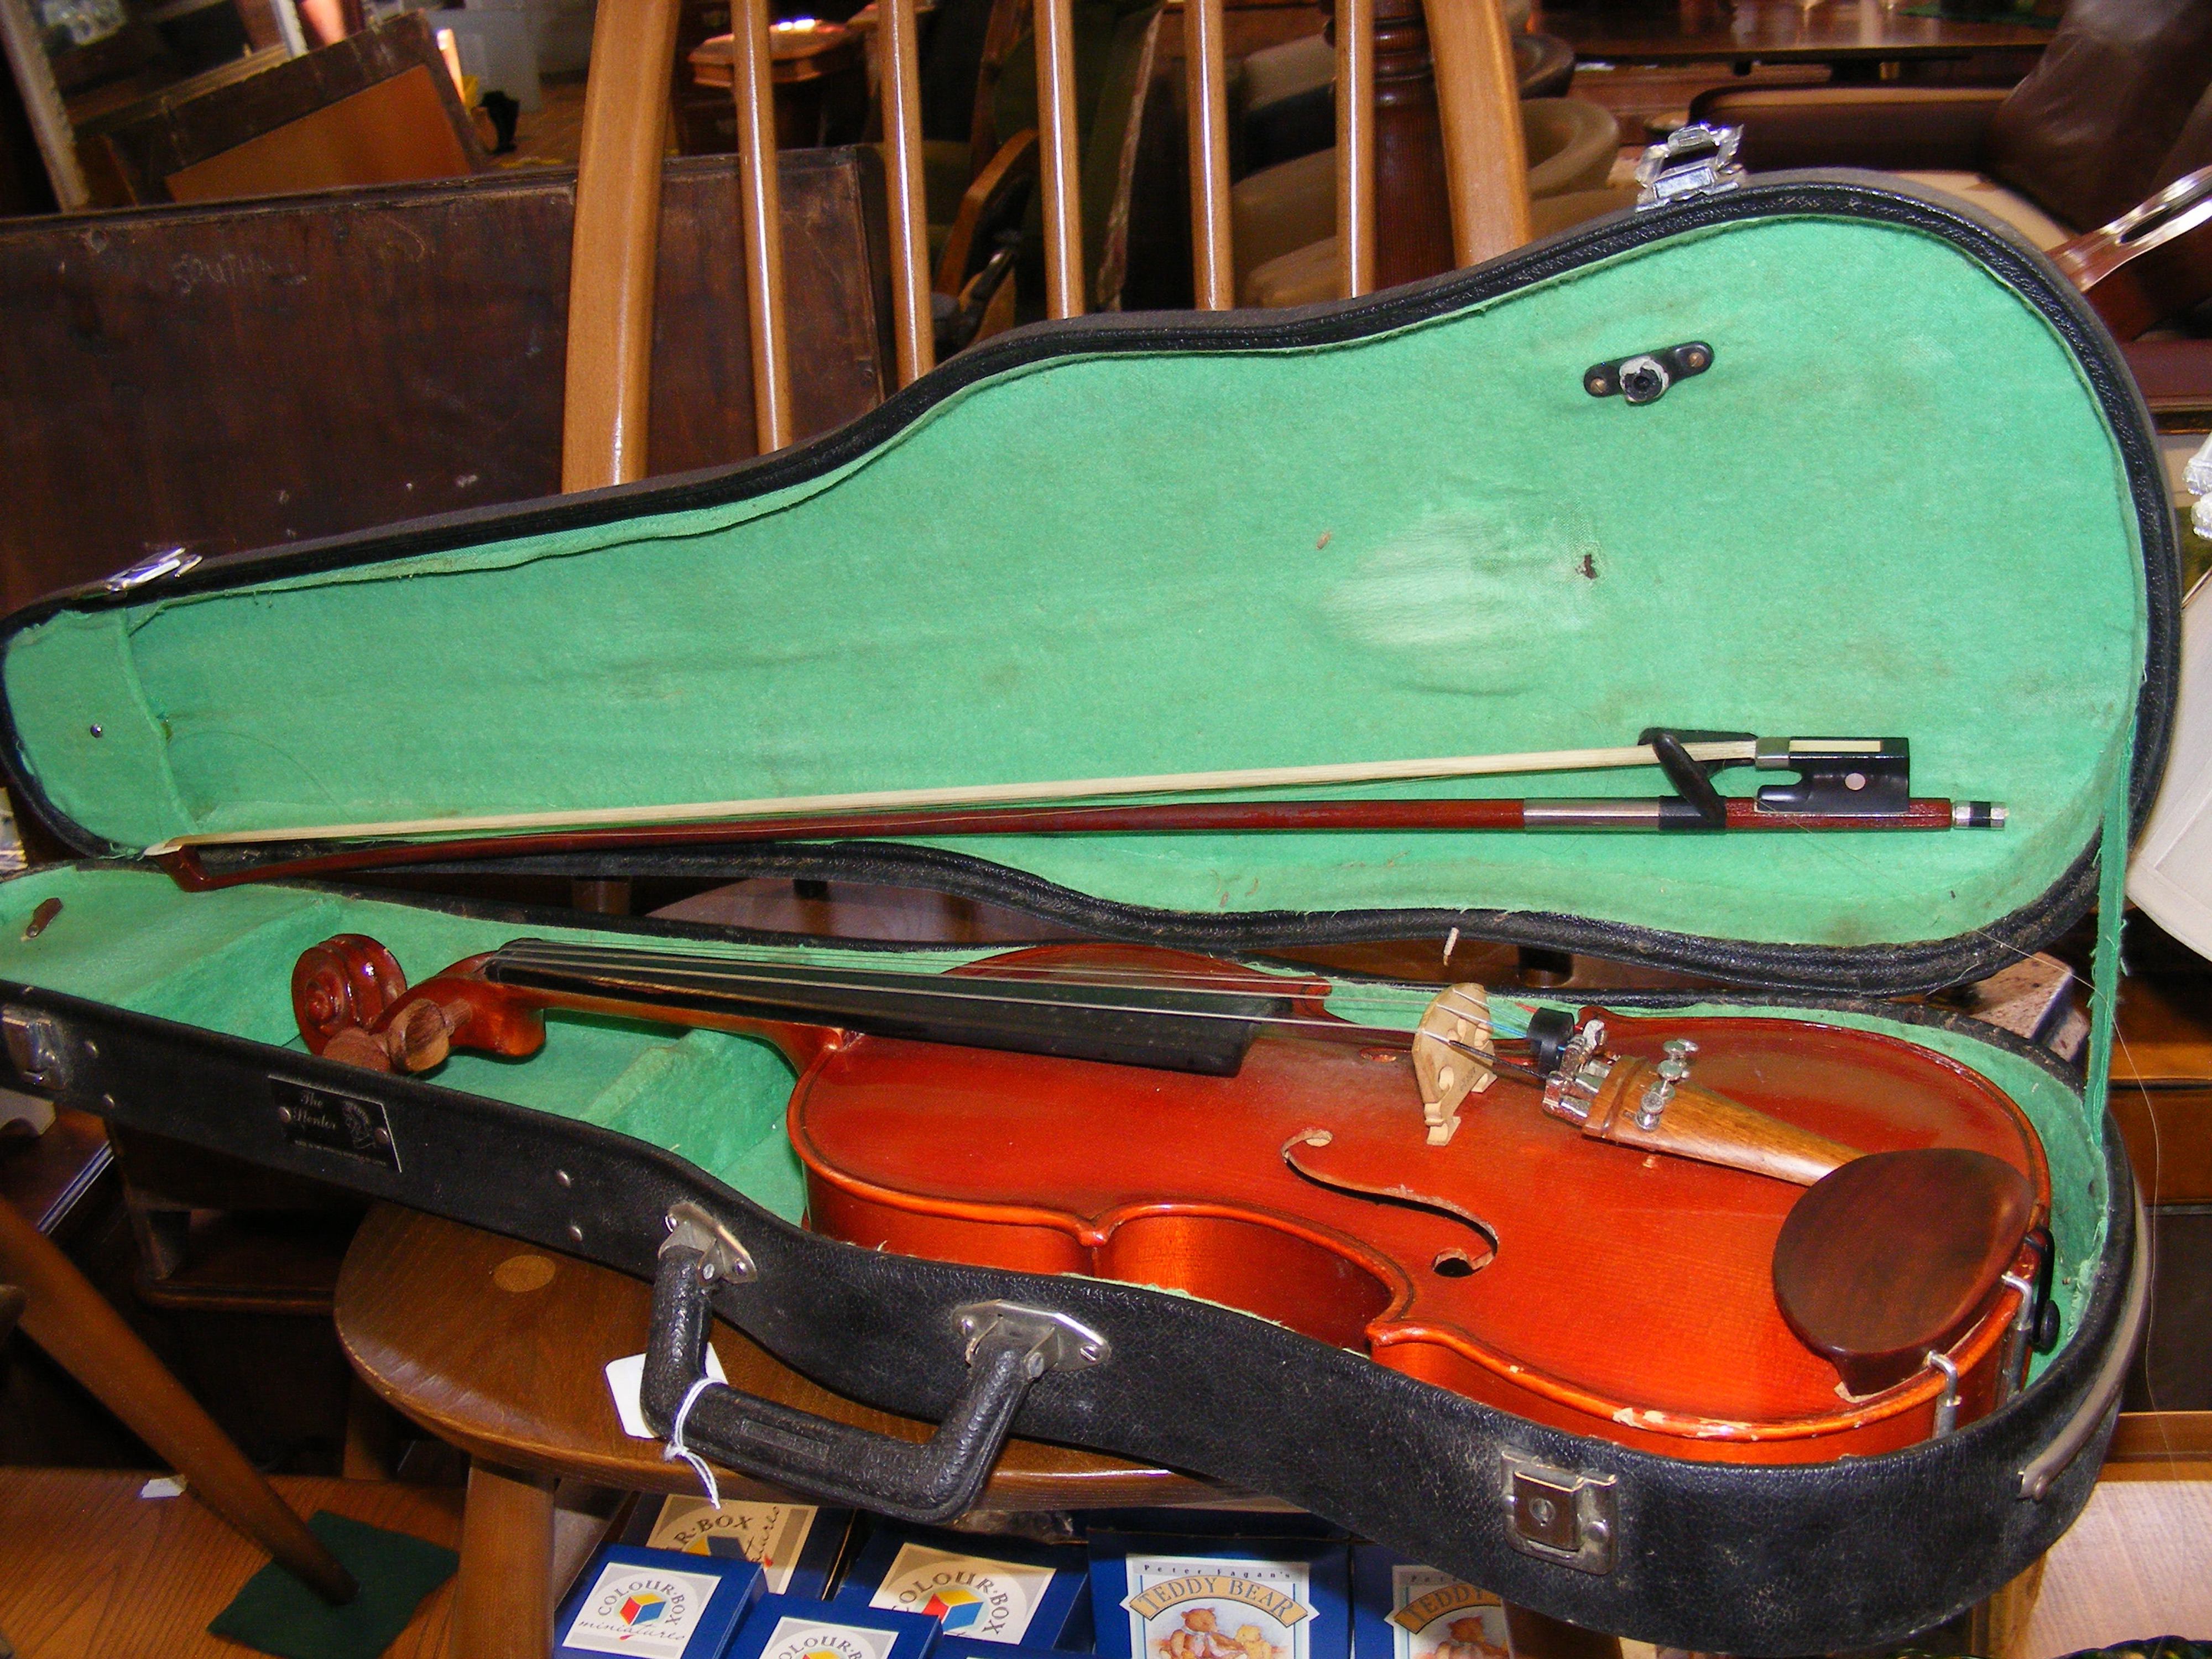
column 222, row 962
column 1892, row 506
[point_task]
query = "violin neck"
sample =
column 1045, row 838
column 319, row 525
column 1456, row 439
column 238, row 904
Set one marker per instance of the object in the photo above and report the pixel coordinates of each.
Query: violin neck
column 1165, row 1027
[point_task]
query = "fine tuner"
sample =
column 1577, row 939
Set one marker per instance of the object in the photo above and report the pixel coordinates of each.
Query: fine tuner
column 1651, row 1105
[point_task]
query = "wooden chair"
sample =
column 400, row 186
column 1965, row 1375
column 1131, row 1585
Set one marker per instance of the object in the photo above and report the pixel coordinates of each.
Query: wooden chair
column 1485, row 167
column 61, row 1312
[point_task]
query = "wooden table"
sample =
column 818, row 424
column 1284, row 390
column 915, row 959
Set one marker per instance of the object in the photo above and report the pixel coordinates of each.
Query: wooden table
column 1836, row 31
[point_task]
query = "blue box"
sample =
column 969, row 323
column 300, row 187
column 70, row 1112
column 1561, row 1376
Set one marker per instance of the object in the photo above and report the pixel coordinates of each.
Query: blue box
column 1179, row 1596
column 1402, row 1610
column 795, row 1545
column 959, row 1647
column 654, row 1603
column 1005, row 1591
column 801, row 1627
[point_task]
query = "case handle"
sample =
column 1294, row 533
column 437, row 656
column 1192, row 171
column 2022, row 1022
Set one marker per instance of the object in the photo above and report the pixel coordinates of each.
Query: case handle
column 2049, row 1464
column 1008, row 1349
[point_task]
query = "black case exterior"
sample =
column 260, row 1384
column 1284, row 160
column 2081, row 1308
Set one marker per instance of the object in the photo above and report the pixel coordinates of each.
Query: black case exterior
column 1708, row 1556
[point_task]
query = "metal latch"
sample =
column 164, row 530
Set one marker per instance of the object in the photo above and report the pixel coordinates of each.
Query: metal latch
column 35, row 1046
column 173, row 562
column 1696, row 160
column 1564, row 1515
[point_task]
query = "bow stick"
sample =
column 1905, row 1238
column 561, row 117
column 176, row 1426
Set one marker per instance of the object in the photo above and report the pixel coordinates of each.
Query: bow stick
column 1844, row 783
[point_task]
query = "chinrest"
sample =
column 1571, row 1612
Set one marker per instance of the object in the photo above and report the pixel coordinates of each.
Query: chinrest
column 1895, row 1255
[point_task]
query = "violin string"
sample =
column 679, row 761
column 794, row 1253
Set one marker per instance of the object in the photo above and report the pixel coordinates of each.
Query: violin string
column 1243, row 986
column 1344, row 1031
column 612, row 979
column 1250, row 982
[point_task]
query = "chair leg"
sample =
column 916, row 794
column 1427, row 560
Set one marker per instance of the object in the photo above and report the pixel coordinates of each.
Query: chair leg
column 503, row 1604
column 1537, row 1637
column 64, row 1315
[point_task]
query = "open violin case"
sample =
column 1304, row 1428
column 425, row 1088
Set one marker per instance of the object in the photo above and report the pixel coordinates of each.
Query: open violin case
column 1914, row 492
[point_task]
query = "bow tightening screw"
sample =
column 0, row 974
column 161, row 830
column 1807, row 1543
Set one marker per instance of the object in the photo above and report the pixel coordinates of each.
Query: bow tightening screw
column 1672, row 1070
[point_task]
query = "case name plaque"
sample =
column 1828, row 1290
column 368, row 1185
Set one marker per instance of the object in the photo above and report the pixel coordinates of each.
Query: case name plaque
column 314, row 1117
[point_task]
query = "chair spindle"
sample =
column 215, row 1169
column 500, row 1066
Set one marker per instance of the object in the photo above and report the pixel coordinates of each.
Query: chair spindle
column 1355, row 144
column 901, row 66
column 615, row 240
column 1065, row 287
column 761, row 206
column 1214, row 266
column 1478, row 106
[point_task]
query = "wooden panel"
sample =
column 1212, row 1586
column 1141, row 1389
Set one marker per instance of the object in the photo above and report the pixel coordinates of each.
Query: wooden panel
column 2168, row 1131
column 2133, row 1565
column 2162, row 1085
column 389, row 133
column 236, row 377
column 91, row 1571
column 130, row 150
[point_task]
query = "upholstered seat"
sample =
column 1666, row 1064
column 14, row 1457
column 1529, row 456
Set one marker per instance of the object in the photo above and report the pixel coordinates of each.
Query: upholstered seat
column 1288, row 92
column 2119, row 106
column 1283, row 217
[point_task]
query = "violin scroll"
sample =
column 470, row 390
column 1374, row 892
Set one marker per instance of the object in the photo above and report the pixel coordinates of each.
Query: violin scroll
column 353, row 1005
column 341, row 988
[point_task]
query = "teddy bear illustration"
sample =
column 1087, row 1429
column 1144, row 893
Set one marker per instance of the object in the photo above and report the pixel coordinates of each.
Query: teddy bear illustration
column 1469, row 1640
column 1203, row 1637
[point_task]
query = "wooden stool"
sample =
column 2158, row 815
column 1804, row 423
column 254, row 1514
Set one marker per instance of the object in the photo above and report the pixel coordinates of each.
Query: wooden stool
column 500, row 1349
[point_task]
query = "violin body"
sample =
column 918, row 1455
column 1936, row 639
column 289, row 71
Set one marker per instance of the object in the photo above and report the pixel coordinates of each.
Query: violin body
column 1594, row 1287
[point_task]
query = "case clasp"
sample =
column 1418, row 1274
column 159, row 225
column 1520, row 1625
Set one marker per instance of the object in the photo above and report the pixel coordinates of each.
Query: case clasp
column 1563, row 1515
column 1696, row 160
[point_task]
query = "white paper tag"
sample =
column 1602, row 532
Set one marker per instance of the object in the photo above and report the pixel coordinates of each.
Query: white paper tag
column 626, row 1381
column 648, row 1610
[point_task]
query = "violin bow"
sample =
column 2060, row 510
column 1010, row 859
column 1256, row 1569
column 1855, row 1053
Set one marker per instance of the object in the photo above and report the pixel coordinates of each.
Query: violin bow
column 1843, row 783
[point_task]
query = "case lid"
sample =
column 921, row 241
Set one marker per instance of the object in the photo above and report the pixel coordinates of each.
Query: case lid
column 1914, row 494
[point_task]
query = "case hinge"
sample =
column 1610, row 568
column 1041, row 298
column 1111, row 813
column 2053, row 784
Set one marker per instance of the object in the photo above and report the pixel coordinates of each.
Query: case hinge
column 1564, row 1515
column 172, row 561
column 36, row 1046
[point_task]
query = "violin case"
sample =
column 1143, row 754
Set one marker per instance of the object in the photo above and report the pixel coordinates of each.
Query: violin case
column 1915, row 493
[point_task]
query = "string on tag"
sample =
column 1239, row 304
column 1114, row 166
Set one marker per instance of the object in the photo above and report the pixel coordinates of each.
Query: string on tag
column 676, row 1449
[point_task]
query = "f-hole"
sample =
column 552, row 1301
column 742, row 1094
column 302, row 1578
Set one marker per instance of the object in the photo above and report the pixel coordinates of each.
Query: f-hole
column 1457, row 1261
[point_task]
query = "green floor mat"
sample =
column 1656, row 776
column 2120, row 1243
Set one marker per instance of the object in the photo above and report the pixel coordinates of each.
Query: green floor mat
column 277, row 1614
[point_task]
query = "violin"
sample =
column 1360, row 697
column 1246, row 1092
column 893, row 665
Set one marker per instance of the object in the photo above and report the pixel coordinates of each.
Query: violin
column 1728, row 1239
